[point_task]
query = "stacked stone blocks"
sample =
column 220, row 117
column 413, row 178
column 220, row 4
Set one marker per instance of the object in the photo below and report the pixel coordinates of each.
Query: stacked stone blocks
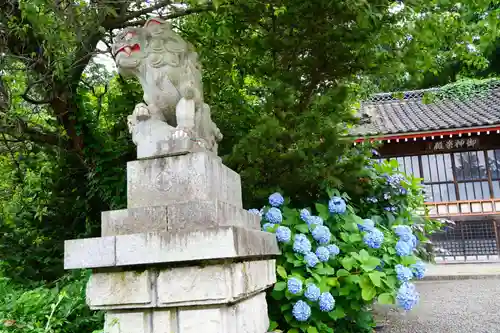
column 184, row 257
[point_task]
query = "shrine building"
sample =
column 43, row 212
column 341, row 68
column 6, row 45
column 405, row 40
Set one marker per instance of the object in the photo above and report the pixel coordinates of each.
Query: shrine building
column 453, row 144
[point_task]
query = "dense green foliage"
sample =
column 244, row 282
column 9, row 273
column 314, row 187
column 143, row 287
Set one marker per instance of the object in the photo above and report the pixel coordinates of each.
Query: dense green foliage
column 331, row 290
column 58, row 308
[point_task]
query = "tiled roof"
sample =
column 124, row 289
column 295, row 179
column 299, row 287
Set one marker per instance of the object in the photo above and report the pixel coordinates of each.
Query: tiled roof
column 388, row 114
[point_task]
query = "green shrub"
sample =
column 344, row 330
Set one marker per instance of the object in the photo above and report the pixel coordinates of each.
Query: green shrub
column 337, row 263
column 57, row 309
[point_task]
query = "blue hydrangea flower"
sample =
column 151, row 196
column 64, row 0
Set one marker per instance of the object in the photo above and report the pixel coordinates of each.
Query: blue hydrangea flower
column 403, row 191
column 326, row 302
column 274, row 216
column 322, row 253
column 283, row 234
column 402, row 230
column 301, row 244
column 255, row 211
column 321, row 234
column 407, row 296
column 294, row 286
column 337, row 205
column 266, row 226
column 413, row 241
column 419, row 269
column 367, row 225
column 374, row 238
column 404, row 274
column 276, row 199
column 394, row 181
column 375, row 152
column 304, row 214
column 312, row 219
column 333, row 249
column 311, row 259
column 390, row 209
column 372, row 199
column 403, row 248
column 301, row 311
column 312, row 292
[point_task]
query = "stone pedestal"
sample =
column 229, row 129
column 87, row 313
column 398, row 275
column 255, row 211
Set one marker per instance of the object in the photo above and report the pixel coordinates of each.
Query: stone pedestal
column 185, row 257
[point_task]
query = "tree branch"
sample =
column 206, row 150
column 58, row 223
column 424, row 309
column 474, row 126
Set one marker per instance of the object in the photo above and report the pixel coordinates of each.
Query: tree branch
column 21, row 132
column 126, row 21
column 118, row 22
column 27, row 98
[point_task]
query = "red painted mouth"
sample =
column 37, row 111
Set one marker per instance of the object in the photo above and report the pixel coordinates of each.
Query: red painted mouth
column 128, row 49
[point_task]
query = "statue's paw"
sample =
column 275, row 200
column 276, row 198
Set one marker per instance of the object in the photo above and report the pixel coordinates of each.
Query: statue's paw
column 181, row 134
column 142, row 112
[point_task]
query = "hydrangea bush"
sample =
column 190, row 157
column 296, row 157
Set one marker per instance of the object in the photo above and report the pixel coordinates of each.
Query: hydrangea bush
column 339, row 258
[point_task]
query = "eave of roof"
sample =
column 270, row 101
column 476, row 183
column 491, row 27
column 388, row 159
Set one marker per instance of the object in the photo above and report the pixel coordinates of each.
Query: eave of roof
column 405, row 115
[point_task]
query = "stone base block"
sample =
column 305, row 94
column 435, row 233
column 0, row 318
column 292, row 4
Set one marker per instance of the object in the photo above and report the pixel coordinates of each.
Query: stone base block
column 247, row 316
column 171, row 180
column 156, row 138
column 172, row 247
column 182, row 286
column 188, row 215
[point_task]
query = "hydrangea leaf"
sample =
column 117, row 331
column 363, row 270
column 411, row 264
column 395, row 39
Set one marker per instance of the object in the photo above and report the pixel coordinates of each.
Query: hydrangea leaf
column 365, row 282
column 303, row 228
column 312, row 329
column 368, row 293
column 332, row 282
column 293, row 330
column 286, row 306
column 277, row 295
column 370, row 264
column 353, row 279
column 280, row 286
column 355, row 238
column 273, row 326
column 364, row 256
column 376, row 277
column 342, row 272
column 348, row 263
column 408, row 260
column 337, row 313
column 322, row 211
column 326, row 270
column 385, row 298
column 390, row 281
column 281, row 271
column 351, row 226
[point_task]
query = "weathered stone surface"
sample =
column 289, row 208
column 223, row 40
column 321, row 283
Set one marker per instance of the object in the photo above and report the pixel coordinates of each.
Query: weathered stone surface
column 214, row 284
column 172, row 180
column 247, row 316
column 123, row 288
column 131, row 322
column 214, row 243
column 134, row 220
column 188, row 215
column 167, row 99
column 180, row 286
column 89, row 252
column 180, row 246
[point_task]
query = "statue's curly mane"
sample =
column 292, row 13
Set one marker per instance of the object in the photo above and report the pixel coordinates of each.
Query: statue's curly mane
column 168, row 54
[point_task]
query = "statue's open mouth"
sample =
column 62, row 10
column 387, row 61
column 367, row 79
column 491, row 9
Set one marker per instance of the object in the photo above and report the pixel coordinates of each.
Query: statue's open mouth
column 127, row 49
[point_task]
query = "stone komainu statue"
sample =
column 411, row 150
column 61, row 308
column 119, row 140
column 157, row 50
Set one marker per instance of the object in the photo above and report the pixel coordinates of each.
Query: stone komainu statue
column 170, row 74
